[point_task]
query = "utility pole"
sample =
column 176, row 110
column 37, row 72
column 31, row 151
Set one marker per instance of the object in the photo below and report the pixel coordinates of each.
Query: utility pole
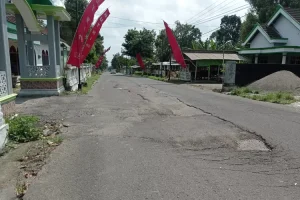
column 79, row 57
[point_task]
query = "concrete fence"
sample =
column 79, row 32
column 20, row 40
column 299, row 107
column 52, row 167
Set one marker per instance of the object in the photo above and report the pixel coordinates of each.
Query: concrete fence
column 71, row 76
column 3, row 130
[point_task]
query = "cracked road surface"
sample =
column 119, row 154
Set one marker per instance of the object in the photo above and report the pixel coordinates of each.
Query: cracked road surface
column 135, row 138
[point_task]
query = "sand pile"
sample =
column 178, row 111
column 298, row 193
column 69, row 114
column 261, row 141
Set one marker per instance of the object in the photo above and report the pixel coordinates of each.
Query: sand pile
column 284, row 81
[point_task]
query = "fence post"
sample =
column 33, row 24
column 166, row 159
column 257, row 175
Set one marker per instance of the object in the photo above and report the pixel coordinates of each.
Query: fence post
column 230, row 73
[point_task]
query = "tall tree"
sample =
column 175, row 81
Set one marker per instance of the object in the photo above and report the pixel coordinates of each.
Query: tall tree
column 186, row 34
column 214, row 35
column 92, row 56
column 139, row 42
column 208, row 44
column 229, row 30
column 120, row 61
column 162, row 49
column 104, row 64
column 265, row 8
column 99, row 48
column 248, row 25
column 115, row 61
column 68, row 29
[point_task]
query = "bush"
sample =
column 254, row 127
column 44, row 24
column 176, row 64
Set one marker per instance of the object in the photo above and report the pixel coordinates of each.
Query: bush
column 24, row 129
column 241, row 91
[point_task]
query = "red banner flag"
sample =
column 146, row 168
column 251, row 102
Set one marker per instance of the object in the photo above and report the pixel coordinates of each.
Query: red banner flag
column 81, row 32
column 106, row 50
column 94, row 34
column 140, row 61
column 99, row 62
column 174, row 46
column 101, row 58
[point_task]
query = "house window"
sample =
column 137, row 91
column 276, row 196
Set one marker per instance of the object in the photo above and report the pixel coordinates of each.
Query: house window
column 295, row 60
column 45, row 58
column 14, row 61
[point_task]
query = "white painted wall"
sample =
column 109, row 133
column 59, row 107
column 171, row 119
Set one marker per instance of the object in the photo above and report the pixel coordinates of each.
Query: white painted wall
column 260, row 42
column 3, row 130
column 12, row 36
column 288, row 30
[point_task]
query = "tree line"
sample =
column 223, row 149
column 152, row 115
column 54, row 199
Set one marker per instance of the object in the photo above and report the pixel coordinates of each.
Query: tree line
column 229, row 36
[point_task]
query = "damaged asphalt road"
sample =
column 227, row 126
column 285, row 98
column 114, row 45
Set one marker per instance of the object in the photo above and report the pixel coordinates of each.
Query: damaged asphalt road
column 135, row 138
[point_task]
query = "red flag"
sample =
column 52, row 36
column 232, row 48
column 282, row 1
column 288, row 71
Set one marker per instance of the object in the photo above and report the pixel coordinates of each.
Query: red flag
column 94, row 34
column 101, row 58
column 106, row 50
column 81, row 32
column 175, row 47
column 140, row 61
column 99, row 62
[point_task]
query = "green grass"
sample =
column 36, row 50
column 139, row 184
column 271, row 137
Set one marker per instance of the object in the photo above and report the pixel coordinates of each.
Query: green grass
column 90, row 82
column 157, row 78
column 56, row 140
column 272, row 97
column 23, row 129
column 138, row 73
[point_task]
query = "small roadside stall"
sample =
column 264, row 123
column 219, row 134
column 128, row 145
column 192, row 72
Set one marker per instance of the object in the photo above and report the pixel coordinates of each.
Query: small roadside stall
column 162, row 68
column 208, row 65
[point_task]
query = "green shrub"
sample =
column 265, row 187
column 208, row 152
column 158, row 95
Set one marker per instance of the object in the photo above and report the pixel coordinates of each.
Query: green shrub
column 288, row 97
column 241, row 91
column 273, row 97
column 255, row 97
column 138, row 73
column 24, row 129
column 245, row 90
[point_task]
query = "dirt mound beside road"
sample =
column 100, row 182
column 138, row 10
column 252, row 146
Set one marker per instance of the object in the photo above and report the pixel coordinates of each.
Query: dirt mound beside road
column 284, row 81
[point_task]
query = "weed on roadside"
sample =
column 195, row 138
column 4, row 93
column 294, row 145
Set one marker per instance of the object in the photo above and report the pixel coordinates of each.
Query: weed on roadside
column 55, row 141
column 24, row 129
column 21, row 189
column 157, row 78
column 272, row 97
column 90, row 83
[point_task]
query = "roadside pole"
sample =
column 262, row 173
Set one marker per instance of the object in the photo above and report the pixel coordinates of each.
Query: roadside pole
column 170, row 67
column 77, row 22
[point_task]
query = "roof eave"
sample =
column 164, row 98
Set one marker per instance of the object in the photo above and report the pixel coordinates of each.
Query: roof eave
column 285, row 14
column 251, row 34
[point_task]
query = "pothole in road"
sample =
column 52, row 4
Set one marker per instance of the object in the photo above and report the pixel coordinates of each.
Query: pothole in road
column 222, row 142
column 252, row 145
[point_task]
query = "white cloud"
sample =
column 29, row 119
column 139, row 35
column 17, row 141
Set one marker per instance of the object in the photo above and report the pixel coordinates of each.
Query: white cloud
column 156, row 11
column 58, row 3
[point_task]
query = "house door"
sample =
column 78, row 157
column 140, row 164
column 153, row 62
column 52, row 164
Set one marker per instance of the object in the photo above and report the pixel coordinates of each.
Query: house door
column 14, row 61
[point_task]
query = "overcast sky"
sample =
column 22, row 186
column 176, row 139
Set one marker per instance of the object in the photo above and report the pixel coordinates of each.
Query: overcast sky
column 205, row 14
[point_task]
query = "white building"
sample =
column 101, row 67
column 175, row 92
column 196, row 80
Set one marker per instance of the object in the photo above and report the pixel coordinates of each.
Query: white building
column 278, row 41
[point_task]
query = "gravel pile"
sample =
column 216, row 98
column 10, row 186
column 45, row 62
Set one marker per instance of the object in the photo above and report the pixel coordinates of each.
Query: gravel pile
column 284, row 81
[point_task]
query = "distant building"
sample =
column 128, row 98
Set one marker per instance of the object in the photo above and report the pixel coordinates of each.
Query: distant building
column 276, row 42
column 207, row 64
